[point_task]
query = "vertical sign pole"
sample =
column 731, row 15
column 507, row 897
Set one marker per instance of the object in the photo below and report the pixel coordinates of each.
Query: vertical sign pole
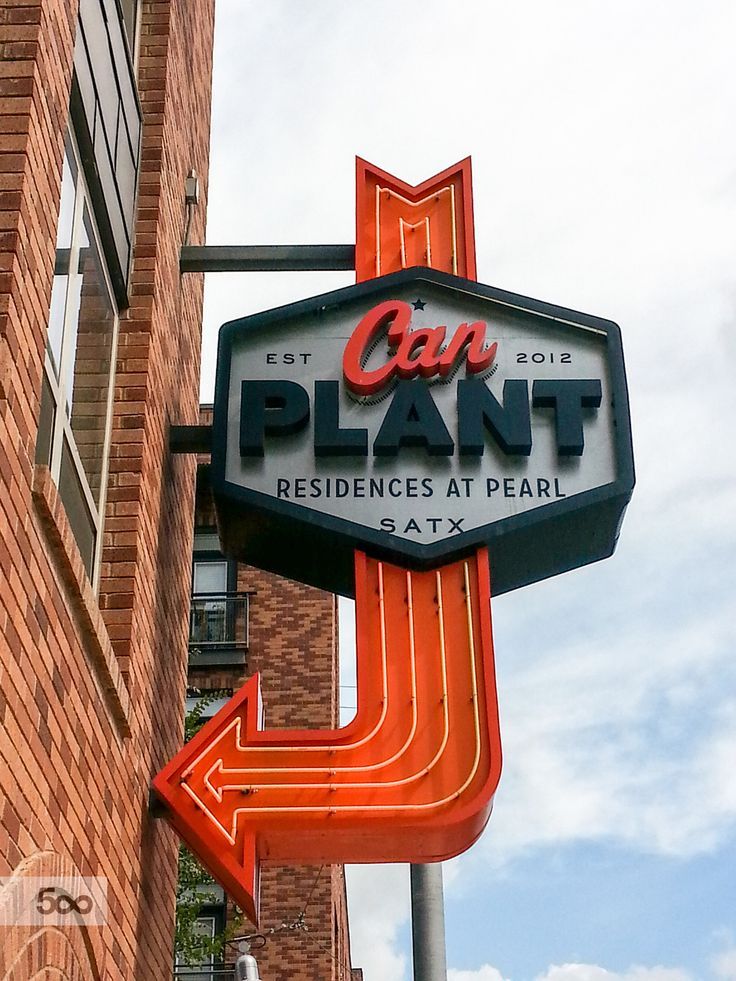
column 398, row 226
column 428, row 923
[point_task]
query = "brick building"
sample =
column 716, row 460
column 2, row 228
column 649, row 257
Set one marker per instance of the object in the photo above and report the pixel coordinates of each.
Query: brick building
column 99, row 354
column 242, row 621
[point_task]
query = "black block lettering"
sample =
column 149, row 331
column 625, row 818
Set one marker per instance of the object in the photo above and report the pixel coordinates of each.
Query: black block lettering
column 413, row 419
column 270, row 408
column 479, row 412
column 329, row 438
column 568, row 397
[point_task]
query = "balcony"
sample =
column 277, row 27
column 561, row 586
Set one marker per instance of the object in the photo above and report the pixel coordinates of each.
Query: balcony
column 218, row 629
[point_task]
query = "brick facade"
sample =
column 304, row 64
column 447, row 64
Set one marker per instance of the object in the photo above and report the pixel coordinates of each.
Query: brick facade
column 86, row 680
column 92, row 681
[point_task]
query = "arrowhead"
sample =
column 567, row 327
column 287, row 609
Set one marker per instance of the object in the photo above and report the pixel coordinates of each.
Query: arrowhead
column 212, row 783
column 189, row 787
column 388, row 210
column 239, row 873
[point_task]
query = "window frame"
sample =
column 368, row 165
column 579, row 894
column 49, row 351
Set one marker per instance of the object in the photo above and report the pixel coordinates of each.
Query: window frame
column 206, row 552
column 58, row 379
column 133, row 42
column 198, row 561
column 216, row 912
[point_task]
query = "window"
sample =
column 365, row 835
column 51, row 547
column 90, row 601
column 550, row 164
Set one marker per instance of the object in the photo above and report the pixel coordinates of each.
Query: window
column 106, row 117
column 218, row 620
column 210, row 576
column 206, row 926
column 77, row 389
column 209, row 618
column 130, row 10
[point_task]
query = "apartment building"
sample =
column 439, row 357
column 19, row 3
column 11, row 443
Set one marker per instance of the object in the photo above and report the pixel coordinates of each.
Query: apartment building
column 100, row 128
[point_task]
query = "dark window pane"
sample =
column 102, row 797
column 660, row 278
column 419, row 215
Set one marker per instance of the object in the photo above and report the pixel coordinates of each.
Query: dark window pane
column 45, row 425
column 129, row 20
column 76, row 508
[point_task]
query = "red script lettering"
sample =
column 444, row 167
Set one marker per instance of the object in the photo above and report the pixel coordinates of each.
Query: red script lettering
column 418, row 352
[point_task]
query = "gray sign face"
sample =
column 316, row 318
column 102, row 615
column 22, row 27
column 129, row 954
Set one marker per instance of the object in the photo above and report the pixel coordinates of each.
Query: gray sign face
column 418, row 416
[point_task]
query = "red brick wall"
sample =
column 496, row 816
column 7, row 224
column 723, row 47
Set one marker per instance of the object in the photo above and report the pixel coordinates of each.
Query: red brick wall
column 293, row 644
column 88, row 710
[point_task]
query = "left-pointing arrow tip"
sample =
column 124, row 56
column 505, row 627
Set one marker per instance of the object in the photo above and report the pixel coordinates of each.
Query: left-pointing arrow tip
column 189, row 788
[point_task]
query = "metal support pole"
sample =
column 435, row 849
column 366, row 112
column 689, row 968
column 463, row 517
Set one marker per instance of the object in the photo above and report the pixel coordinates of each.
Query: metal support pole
column 266, row 258
column 428, row 923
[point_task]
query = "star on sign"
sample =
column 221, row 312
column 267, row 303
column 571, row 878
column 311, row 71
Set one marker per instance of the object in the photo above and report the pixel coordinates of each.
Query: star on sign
column 419, row 304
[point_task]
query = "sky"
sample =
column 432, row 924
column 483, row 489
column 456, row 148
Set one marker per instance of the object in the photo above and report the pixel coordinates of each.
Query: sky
column 604, row 167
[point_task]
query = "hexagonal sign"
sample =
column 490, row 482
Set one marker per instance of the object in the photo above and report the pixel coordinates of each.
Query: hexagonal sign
column 418, row 416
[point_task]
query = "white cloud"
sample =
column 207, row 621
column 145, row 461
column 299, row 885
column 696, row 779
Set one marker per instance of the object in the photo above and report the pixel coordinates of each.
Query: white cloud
column 590, row 972
column 724, row 965
column 624, row 738
column 484, row 973
column 379, row 908
column 579, row 972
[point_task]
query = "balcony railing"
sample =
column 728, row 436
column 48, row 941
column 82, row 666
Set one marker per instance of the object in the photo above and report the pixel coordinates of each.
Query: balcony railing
column 204, row 973
column 218, row 622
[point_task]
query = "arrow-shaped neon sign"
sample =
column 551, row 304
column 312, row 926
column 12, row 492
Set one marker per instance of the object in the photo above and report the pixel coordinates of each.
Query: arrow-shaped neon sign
column 413, row 774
